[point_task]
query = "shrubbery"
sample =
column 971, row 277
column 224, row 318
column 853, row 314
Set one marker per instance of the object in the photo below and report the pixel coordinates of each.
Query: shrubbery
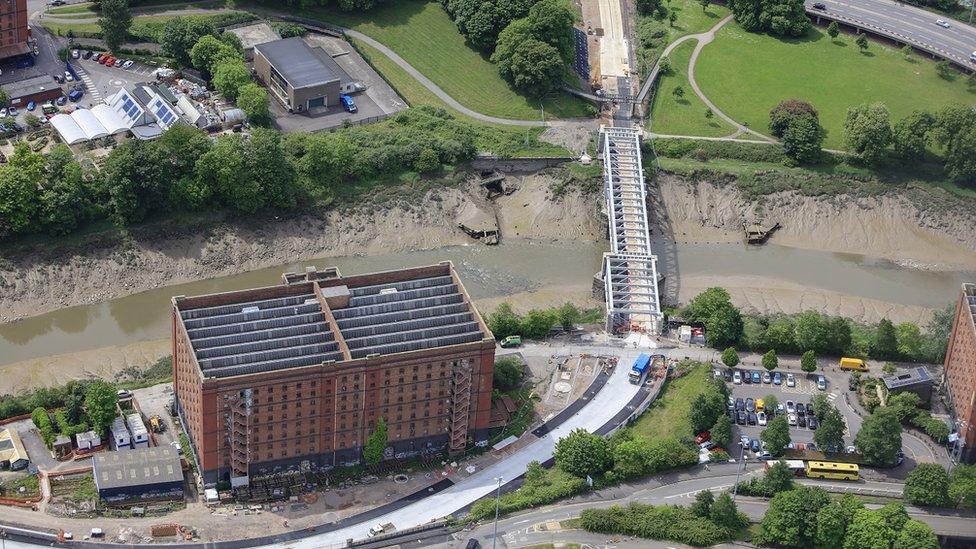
column 747, row 152
column 666, row 522
column 541, row 486
column 537, row 323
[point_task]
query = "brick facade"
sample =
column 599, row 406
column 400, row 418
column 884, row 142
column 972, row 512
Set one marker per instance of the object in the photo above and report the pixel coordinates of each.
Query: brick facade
column 319, row 415
column 14, row 32
column 960, row 369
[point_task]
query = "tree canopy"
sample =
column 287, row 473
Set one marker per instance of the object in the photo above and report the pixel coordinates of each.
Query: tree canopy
column 582, row 453
column 879, row 439
column 927, row 484
column 867, row 130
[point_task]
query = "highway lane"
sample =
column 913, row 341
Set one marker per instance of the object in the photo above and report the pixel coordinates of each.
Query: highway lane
column 907, row 23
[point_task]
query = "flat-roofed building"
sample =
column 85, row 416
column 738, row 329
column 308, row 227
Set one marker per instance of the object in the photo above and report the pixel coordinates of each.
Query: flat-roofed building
column 15, row 34
column 914, row 380
column 297, row 75
column 959, row 373
column 298, row 375
column 13, row 455
column 143, row 473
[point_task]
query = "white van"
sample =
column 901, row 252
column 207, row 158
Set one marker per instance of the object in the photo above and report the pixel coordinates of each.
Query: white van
column 972, row 57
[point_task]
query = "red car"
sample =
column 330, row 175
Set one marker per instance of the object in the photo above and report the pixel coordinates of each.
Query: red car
column 704, row 436
column 108, row 61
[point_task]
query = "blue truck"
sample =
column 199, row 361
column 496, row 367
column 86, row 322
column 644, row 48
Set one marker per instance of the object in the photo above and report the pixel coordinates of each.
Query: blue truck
column 639, row 368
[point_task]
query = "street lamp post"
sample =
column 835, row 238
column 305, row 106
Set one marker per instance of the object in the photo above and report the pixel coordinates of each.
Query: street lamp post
column 738, row 470
column 498, row 493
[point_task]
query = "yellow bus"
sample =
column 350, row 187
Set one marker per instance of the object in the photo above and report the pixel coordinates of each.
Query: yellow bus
column 832, row 470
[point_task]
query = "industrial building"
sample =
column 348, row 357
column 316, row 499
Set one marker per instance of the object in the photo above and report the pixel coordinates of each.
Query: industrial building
column 13, row 456
column 300, row 77
column 297, row 375
column 35, row 88
column 959, row 374
column 15, row 35
column 253, row 35
column 143, row 474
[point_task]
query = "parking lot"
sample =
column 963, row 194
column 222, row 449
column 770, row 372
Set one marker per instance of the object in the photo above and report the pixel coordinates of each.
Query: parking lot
column 802, row 391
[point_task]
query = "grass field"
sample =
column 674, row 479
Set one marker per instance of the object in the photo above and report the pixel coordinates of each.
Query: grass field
column 668, row 415
column 85, row 8
column 423, row 34
column 692, row 19
column 144, row 27
column 685, row 116
column 747, row 74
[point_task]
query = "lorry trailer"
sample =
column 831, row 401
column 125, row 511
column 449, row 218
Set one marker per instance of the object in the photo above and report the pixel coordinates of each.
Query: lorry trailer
column 639, row 369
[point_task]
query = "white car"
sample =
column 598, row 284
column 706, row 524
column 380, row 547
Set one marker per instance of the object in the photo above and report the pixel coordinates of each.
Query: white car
column 128, row 64
column 68, row 77
column 972, row 57
column 761, row 418
column 3, row 112
column 790, row 407
column 942, row 23
column 790, row 380
column 737, row 378
column 792, row 419
column 75, row 54
column 13, row 111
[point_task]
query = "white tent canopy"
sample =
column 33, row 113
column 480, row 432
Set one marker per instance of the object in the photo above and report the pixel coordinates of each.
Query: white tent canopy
column 85, row 125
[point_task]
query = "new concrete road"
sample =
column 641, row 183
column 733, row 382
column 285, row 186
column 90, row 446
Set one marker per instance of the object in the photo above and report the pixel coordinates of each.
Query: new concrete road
column 541, row 525
column 904, row 23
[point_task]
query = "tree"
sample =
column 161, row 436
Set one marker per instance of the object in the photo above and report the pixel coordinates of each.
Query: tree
column 785, row 112
column 894, row 515
column 885, row 342
column 630, row 458
column 910, row 135
column 375, row 443
column 253, row 100
column 944, row 70
column 962, row 488
column 862, row 42
column 100, row 402
column 778, row 478
column 791, row 519
column 868, row 530
column 830, row 434
column 222, row 169
column 672, row 18
column 703, row 305
column 780, row 335
column 179, row 36
column 868, row 131
column 504, row 322
column 725, row 514
column 66, row 200
column 533, row 67
column 927, row 484
column 916, row 535
column 508, row 373
column 705, row 410
column 267, row 167
column 730, row 357
column 537, row 323
column 831, row 526
column 207, row 50
column 704, row 4
column 678, row 92
column 819, row 405
column 833, row 30
column 137, row 181
column 959, row 151
column 724, row 327
column 769, row 360
column 568, row 315
column 115, row 21
column 907, row 51
column 703, row 503
column 888, row 368
column 803, row 140
column 551, row 21
column 808, row 362
column 722, row 431
column 879, row 439
column 582, row 453
column 776, row 435
column 910, row 341
column 229, row 77
column 770, row 402
column 4, row 97
column 20, row 198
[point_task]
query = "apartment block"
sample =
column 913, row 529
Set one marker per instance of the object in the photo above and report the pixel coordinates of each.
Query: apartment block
column 14, row 32
column 297, row 375
column 960, row 371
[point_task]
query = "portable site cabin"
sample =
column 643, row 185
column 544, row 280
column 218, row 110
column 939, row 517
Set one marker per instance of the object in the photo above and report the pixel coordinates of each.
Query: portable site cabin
column 140, row 435
column 88, row 440
column 121, row 440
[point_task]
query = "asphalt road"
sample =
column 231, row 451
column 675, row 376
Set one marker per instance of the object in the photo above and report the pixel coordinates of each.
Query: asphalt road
column 905, row 23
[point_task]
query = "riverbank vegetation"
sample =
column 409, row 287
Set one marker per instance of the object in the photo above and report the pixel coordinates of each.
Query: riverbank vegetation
column 185, row 172
column 726, row 326
column 538, row 323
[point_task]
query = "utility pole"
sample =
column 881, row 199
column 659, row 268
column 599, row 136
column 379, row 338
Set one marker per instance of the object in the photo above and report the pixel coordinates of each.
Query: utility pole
column 738, row 470
column 498, row 494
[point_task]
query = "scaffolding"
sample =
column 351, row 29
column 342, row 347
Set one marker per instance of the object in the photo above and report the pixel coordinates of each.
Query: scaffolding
column 460, row 406
column 238, row 437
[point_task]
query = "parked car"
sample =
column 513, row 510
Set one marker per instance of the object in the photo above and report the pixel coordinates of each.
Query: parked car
column 702, row 437
column 800, row 409
column 13, row 111
column 31, row 105
column 727, row 375
column 62, row 101
column 801, row 421
column 3, row 112
column 118, row 62
column 790, row 407
column 88, row 54
column 821, row 383
column 740, row 404
column 75, row 54
column 707, row 445
column 68, row 77
column 348, row 103
column 128, row 64
column 750, row 405
column 752, row 418
column 754, row 445
column 767, row 377
column 812, row 422
column 761, row 418
column 737, row 378
column 777, row 378
column 75, row 95
column 791, row 419
column 472, row 544
column 740, row 418
column 790, row 380
column 98, row 57
column 756, row 378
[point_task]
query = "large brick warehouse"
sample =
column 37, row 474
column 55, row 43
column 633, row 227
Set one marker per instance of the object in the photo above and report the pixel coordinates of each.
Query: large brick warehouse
column 298, row 375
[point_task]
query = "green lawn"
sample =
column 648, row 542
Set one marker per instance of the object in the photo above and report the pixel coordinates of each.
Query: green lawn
column 747, row 74
column 423, row 34
column 144, row 27
column 85, row 8
column 685, row 116
column 668, row 415
column 692, row 19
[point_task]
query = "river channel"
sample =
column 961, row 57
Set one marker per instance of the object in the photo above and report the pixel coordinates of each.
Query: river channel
column 514, row 267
